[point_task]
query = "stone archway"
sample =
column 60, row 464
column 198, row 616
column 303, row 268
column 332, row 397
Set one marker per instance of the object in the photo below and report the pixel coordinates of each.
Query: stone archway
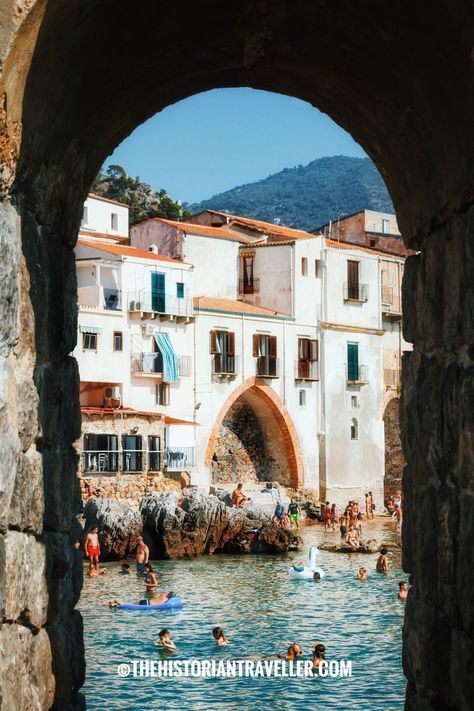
column 268, row 452
column 76, row 79
column 394, row 459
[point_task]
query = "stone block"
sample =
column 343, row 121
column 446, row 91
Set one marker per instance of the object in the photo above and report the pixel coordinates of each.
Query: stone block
column 9, row 441
column 27, row 502
column 10, row 240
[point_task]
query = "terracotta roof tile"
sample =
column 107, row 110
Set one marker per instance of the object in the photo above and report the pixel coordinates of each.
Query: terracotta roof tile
column 123, row 250
column 205, row 230
column 334, row 244
column 267, row 227
column 209, row 303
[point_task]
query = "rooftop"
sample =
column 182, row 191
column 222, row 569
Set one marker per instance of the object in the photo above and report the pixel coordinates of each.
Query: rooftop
column 104, row 199
column 209, row 303
column 335, row 244
column 101, row 235
column 86, row 410
column 204, row 230
column 122, row 250
column 264, row 227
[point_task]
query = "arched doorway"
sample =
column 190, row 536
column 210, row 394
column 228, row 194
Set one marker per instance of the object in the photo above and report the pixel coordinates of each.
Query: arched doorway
column 394, row 459
column 76, row 79
column 254, row 439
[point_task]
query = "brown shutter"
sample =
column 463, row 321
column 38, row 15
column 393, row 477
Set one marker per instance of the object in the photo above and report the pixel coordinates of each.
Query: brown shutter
column 353, row 272
column 255, row 345
column 213, row 338
column 314, row 350
column 272, row 346
column 231, row 343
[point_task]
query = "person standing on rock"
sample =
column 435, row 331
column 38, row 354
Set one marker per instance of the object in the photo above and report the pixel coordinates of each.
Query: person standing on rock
column 93, row 548
column 142, row 555
column 294, row 512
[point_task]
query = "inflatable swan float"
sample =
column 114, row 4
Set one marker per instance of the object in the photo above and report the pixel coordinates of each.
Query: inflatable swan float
column 302, row 572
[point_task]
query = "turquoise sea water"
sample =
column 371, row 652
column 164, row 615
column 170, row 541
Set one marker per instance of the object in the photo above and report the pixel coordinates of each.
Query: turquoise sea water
column 262, row 610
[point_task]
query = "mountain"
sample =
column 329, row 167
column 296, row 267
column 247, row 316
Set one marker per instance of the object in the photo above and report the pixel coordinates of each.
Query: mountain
column 143, row 200
column 307, row 196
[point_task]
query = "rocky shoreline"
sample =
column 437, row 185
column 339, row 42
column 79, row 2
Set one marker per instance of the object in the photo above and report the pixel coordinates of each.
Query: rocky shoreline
column 176, row 526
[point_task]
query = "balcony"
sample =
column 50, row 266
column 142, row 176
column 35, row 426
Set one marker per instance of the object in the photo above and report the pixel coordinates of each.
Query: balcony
column 391, row 303
column 176, row 459
column 306, row 370
column 391, row 378
column 225, row 365
column 151, row 365
column 100, row 461
column 356, row 293
column 165, row 306
column 357, row 375
column 99, row 297
column 268, row 367
column 251, row 287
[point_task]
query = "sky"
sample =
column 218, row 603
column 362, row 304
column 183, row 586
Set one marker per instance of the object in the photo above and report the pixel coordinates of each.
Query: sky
column 218, row 139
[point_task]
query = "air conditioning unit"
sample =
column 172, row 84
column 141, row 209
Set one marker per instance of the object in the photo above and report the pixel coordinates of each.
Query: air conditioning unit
column 135, row 306
column 149, row 329
column 112, row 393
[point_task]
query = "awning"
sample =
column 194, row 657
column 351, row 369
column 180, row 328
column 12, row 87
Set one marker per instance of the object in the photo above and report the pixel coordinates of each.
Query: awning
column 91, row 329
column 170, row 359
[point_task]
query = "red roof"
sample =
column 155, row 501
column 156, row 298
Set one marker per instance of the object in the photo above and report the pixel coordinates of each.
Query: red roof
column 204, row 230
column 266, row 227
column 123, row 250
column 360, row 248
column 209, row 303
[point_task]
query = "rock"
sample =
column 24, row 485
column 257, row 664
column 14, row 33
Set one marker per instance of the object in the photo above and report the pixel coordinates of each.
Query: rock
column 119, row 525
column 369, row 546
column 175, row 527
column 308, row 500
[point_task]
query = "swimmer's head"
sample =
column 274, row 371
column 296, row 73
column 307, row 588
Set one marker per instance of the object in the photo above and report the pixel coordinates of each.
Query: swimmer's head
column 402, row 585
column 218, row 633
column 170, row 595
column 319, row 649
column 163, row 633
column 148, row 567
column 384, row 551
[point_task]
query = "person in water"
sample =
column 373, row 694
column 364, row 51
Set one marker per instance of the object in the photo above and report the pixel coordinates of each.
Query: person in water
column 382, row 561
column 165, row 641
column 94, row 572
column 317, row 577
column 403, row 590
column 361, row 575
column 293, row 651
column 150, row 578
column 294, row 512
column 219, row 636
column 142, row 555
column 92, row 547
column 318, row 654
column 155, row 600
column 125, row 569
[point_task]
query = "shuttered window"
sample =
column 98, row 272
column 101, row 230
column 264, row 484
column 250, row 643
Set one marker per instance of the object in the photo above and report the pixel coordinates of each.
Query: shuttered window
column 353, row 361
column 222, row 346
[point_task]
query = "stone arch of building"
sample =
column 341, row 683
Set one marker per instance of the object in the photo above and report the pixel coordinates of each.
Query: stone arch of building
column 75, row 80
column 264, row 394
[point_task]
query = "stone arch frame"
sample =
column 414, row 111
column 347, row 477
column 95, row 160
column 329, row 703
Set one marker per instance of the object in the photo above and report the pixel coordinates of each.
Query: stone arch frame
column 419, row 133
column 282, row 417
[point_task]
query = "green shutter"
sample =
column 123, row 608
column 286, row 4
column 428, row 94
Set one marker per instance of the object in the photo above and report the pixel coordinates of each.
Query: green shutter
column 353, row 361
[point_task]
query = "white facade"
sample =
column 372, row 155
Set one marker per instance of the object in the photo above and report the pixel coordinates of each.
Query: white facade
column 303, row 331
column 105, row 217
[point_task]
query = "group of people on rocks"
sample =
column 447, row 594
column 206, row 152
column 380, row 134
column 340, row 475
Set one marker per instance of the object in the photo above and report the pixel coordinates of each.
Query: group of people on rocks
column 395, row 508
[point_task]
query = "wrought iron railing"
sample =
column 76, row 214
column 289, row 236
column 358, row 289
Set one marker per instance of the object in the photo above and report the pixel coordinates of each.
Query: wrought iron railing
column 160, row 303
column 178, row 458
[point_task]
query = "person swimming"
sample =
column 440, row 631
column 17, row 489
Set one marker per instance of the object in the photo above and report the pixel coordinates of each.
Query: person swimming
column 219, row 636
column 150, row 578
column 318, row 654
column 382, row 561
column 403, row 590
column 155, row 600
column 361, row 575
column 165, row 641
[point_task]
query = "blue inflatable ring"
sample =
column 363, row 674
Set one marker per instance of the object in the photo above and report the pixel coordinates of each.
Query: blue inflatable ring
column 174, row 603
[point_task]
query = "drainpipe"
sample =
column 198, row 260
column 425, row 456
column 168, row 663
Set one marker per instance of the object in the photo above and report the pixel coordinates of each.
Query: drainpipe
column 242, row 351
column 284, row 363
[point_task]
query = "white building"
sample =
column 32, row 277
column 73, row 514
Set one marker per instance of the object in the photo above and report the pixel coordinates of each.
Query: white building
column 281, row 338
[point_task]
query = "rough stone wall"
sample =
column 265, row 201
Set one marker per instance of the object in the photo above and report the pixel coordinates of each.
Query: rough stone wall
column 394, row 459
column 239, row 453
column 437, row 417
column 132, row 487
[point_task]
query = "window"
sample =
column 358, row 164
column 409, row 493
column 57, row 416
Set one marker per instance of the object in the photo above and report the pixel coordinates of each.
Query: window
column 304, row 266
column 307, row 359
column 180, row 290
column 222, row 348
column 373, row 242
column 154, row 453
column 100, row 453
column 302, row 397
column 353, row 361
column 248, row 284
column 353, row 279
column 385, row 226
column 354, row 429
column 85, row 215
column 118, row 341
column 132, row 452
column 89, row 341
column 163, row 394
column 354, row 403
column 114, row 221
column 317, row 268
column 265, row 351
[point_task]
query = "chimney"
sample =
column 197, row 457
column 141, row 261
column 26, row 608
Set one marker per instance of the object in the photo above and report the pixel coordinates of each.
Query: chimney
column 153, row 248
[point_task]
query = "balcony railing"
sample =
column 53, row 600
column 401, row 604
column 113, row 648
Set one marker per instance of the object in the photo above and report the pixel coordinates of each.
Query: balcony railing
column 132, row 460
column 251, row 287
column 356, row 292
column 391, row 302
column 357, row 374
column 306, row 370
column 99, row 297
column 267, row 367
column 152, row 364
column 391, row 377
column 223, row 364
column 178, row 458
column 100, row 460
column 166, row 304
